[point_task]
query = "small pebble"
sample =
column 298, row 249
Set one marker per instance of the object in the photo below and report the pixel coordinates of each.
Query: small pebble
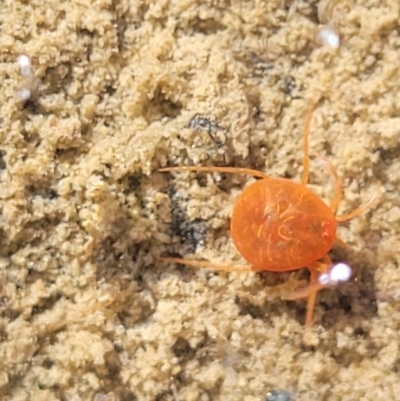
column 329, row 37
column 278, row 395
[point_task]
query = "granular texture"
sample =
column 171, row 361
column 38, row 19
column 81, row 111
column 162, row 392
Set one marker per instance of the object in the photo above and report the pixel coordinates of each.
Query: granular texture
column 121, row 88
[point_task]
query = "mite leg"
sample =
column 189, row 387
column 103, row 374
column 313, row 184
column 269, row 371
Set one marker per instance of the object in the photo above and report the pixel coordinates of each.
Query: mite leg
column 213, row 169
column 310, row 292
column 324, row 274
column 306, row 135
column 202, row 263
column 363, row 208
column 338, row 183
column 314, row 288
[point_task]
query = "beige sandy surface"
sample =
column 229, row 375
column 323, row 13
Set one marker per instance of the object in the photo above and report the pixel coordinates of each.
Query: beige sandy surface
column 87, row 311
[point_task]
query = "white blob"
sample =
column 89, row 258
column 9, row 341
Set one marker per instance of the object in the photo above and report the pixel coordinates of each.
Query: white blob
column 24, row 63
column 340, row 272
column 24, row 94
column 329, row 37
column 324, row 279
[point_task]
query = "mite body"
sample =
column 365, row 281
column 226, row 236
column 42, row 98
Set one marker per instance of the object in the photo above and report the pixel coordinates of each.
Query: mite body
column 279, row 225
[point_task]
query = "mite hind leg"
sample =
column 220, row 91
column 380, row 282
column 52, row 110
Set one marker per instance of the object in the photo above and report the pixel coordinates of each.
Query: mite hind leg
column 324, row 274
column 309, row 292
column 205, row 264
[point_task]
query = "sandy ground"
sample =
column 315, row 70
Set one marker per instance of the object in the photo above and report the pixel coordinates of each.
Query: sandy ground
column 121, row 88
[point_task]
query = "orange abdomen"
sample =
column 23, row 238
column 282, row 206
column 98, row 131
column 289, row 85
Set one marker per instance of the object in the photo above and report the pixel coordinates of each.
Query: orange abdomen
column 279, row 225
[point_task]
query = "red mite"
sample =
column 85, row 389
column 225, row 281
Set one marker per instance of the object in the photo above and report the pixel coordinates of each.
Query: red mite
column 279, row 225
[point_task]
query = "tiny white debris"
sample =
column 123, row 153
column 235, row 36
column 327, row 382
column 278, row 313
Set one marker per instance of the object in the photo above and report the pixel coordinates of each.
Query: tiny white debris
column 329, row 37
column 24, row 94
column 324, row 279
column 25, row 65
column 339, row 272
column 29, row 88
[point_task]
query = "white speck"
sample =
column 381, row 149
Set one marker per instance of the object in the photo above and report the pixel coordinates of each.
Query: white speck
column 337, row 273
column 24, row 94
column 329, row 37
column 340, row 272
column 324, row 279
column 24, row 63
